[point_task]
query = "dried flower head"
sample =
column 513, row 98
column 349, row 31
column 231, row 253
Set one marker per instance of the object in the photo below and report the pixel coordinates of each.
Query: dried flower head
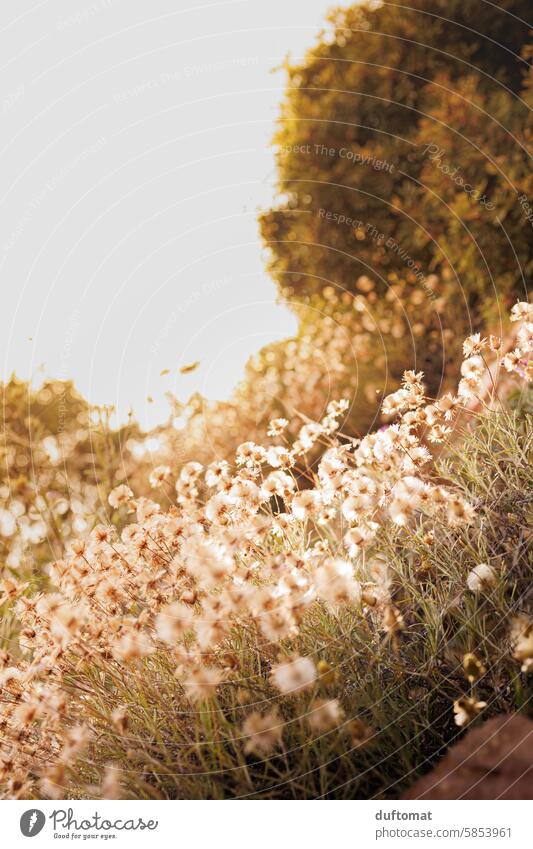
column 324, row 715
column 473, row 668
column 263, row 732
column 482, row 578
column 293, row 675
column 466, row 709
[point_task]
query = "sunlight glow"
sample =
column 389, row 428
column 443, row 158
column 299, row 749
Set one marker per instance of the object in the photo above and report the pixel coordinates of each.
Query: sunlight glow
column 130, row 237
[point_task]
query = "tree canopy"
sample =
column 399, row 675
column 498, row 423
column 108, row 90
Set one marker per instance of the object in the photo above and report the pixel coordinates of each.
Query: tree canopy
column 403, row 148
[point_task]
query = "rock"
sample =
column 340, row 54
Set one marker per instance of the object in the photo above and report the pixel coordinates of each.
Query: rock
column 492, row 761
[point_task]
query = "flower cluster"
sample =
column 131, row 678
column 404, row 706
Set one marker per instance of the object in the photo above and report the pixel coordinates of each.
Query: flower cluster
column 246, row 547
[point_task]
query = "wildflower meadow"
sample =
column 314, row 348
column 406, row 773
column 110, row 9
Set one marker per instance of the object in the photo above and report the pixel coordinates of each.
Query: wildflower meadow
column 318, row 585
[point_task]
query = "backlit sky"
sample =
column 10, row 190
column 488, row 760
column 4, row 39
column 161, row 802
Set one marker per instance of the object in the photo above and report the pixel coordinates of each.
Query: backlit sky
column 134, row 153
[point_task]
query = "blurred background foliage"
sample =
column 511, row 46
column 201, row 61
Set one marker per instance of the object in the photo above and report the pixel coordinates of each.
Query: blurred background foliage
column 429, row 92
column 59, row 457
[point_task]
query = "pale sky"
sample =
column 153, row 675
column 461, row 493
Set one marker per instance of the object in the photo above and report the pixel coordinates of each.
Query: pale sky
column 134, row 154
